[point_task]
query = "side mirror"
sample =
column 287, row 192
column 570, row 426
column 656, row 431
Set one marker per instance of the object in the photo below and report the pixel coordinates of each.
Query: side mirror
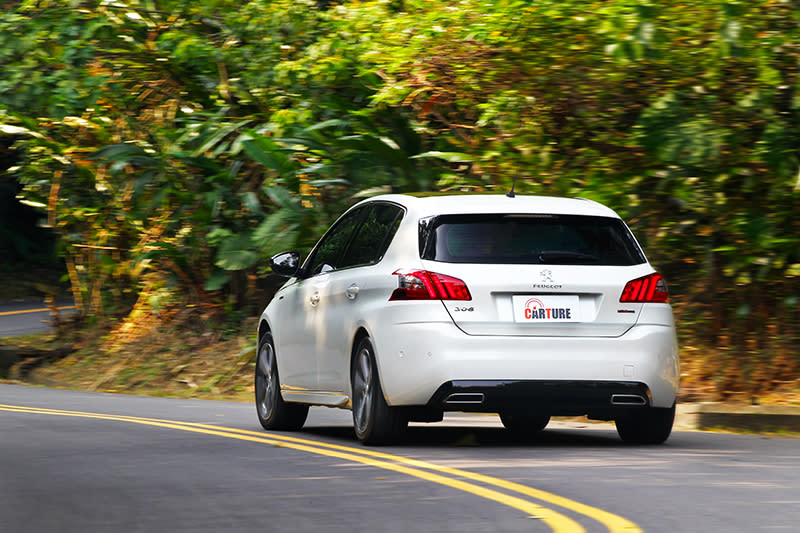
column 286, row 264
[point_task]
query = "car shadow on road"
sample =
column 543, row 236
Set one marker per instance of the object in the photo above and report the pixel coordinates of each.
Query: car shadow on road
column 450, row 436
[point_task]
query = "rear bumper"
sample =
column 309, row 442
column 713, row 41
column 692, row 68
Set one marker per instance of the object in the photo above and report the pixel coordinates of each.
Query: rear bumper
column 599, row 399
column 418, row 361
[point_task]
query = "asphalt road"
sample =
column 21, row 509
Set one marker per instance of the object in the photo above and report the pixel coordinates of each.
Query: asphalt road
column 74, row 461
column 28, row 317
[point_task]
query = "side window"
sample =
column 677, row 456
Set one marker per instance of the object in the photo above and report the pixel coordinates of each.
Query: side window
column 329, row 250
column 373, row 237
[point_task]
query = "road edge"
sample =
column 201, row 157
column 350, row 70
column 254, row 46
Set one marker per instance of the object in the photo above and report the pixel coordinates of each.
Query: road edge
column 745, row 418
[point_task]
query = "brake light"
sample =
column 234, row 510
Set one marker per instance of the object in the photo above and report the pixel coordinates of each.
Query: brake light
column 652, row 288
column 425, row 285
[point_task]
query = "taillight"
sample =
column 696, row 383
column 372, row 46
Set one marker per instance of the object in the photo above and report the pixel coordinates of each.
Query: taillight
column 424, row 285
column 652, row 288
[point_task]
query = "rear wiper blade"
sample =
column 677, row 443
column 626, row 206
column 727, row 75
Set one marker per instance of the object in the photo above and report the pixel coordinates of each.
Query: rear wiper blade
column 563, row 256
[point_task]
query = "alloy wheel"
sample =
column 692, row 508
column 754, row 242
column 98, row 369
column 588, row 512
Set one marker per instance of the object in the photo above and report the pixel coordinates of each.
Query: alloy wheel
column 362, row 386
column 266, row 385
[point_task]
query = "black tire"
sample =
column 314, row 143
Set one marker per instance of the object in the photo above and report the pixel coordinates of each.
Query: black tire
column 273, row 412
column 524, row 424
column 646, row 426
column 375, row 423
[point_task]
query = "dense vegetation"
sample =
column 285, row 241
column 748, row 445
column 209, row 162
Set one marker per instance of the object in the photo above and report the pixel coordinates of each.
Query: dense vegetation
column 175, row 145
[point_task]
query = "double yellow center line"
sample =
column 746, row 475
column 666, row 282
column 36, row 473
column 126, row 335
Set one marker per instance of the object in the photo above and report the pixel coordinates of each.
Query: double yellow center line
column 478, row 484
column 42, row 310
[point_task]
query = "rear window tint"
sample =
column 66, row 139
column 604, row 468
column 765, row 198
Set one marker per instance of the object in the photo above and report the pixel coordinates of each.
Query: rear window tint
column 529, row 239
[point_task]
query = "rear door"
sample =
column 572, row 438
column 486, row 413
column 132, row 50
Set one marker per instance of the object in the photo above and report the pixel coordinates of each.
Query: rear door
column 293, row 327
column 354, row 291
column 537, row 275
column 307, row 307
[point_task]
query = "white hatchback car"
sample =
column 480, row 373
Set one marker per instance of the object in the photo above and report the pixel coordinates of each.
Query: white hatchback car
column 529, row 307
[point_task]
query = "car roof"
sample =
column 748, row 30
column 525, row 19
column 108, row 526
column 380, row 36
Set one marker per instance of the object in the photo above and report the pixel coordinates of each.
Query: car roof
column 495, row 203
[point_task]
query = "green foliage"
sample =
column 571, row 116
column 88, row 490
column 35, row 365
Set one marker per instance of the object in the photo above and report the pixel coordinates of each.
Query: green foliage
column 196, row 139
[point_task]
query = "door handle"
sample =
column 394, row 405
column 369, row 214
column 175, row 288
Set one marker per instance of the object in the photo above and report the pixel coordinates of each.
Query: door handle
column 314, row 299
column 352, row 291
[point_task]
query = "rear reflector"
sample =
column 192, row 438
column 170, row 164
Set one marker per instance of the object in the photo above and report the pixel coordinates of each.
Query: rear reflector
column 652, row 288
column 425, row 285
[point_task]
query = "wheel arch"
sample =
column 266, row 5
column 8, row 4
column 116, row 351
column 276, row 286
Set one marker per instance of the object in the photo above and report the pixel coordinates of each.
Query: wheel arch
column 263, row 329
column 362, row 333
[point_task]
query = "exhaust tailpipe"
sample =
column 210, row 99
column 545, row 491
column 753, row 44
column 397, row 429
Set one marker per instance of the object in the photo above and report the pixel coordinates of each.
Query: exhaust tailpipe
column 628, row 399
column 465, row 397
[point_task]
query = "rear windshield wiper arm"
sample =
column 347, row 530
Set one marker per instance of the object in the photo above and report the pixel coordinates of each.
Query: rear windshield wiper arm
column 559, row 256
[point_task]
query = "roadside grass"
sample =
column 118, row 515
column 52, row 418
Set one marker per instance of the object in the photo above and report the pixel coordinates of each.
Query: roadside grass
column 710, row 374
column 157, row 357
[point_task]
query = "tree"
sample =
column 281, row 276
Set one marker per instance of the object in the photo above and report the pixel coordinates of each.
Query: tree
column 189, row 141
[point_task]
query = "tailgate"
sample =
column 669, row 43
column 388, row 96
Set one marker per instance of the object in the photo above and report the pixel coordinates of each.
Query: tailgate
column 543, row 300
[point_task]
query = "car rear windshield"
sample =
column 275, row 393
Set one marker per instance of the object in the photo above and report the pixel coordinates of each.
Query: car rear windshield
column 528, row 239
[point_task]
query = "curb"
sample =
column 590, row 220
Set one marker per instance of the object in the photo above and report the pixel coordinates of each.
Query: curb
column 754, row 418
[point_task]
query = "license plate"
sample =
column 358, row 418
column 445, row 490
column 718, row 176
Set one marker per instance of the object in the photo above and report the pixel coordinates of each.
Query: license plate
column 542, row 308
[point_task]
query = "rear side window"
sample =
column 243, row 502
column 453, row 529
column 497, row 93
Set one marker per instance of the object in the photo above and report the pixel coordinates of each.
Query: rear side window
column 326, row 255
column 529, row 239
column 373, row 237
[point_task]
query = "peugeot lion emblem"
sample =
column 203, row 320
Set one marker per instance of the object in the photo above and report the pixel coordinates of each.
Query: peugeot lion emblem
column 547, row 276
